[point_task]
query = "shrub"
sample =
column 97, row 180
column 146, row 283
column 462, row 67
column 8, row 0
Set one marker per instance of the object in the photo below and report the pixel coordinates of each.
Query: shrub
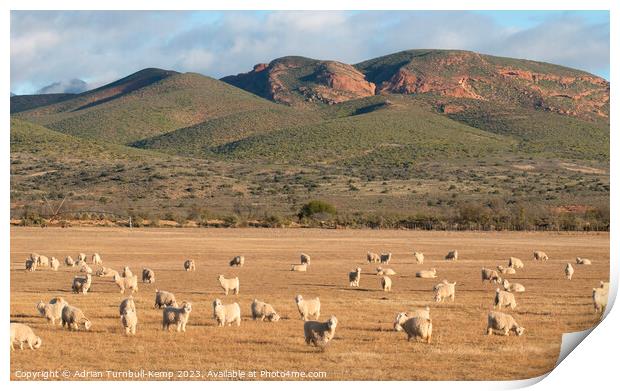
column 315, row 208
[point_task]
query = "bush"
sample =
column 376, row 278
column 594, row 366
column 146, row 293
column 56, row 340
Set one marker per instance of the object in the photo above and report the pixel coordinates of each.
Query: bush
column 315, row 208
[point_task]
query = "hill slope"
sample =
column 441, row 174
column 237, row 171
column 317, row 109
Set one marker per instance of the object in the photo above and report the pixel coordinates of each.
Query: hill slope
column 28, row 102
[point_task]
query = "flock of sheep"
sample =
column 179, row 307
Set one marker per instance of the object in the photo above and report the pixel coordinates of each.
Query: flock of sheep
column 417, row 324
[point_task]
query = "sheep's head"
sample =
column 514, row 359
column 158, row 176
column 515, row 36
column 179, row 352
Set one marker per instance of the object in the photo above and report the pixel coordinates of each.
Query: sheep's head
column 187, row 307
column 332, row 322
column 359, row 269
column 37, row 343
column 298, row 299
column 400, row 319
column 273, row 317
column 519, row 331
column 41, row 307
column 216, row 303
column 220, row 278
column 506, row 284
column 87, row 325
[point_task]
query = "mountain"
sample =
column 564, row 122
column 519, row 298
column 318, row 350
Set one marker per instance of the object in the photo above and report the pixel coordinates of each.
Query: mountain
column 21, row 103
column 73, row 86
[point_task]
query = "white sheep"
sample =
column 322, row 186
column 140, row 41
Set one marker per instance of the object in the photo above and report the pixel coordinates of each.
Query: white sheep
column 416, row 327
column 127, row 305
column 73, row 317
column 540, row 256
column 81, row 284
column 305, row 259
column 512, row 287
column 385, row 272
column 106, row 272
column 444, row 290
column 31, row 265
column 84, row 268
column 262, row 311
column 54, row 264
column 599, row 297
column 583, row 261
column 490, row 275
column 452, row 255
column 164, row 299
column 354, row 277
column 568, row 271
column 419, row 257
column 299, row 268
column 229, row 284
column 515, row 263
column 126, row 283
column 504, row 299
column 427, row 273
column 69, row 261
column 385, row 258
column 148, row 276
column 386, row 284
column 43, row 261
column 372, row 257
column 320, row 333
column 502, row 324
column 96, row 259
column 238, row 260
column 307, row 308
column 129, row 316
column 506, row 270
column 34, row 257
column 52, row 311
column 226, row 314
column 177, row 316
column 189, row 265
column 401, row 317
column 81, row 257
column 21, row 333
column 126, row 272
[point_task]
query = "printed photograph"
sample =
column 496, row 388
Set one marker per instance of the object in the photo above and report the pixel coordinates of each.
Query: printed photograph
column 306, row 195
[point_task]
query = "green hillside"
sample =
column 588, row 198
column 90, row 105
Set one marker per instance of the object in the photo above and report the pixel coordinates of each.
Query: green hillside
column 21, row 103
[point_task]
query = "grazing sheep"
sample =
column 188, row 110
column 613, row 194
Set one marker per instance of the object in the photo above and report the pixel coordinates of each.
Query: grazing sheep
column 385, row 272
column 305, row 259
column 229, row 284
column 401, row 317
column 386, row 284
column 129, row 316
column 84, row 268
column 148, row 276
column 81, row 257
column 237, row 261
column 568, row 271
column 126, row 283
column 226, row 314
column 427, row 273
column 263, row 311
column 21, row 333
column 372, row 257
column 599, row 297
column 96, row 259
column 583, row 261
column 69, row 261
column 419, row 257
column 512, row 287
column 490, row 275
column 515, row 263
column 385, row 258
column 504, row 299
column 106, row 272
column 43, row 261
column 126, row 272
column 164, row 299
column 299, row 268
column 320, row 333
column 81, row 284
column 453, row 255
column 307, row 308
column 415, row 327
column 54, row 264
column 540, row 256
column 354, row 277
column 506, row 270
column 177, row 316
column 502, row 324
column 444, row 290
column 127, row 305
column 52, row 311
column 73, row 317
column 31, row 265
column 189, row 265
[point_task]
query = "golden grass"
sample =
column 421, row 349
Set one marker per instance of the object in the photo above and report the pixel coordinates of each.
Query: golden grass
column 365, row 347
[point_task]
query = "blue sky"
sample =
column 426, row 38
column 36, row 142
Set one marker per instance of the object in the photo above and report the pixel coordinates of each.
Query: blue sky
column 56, row 47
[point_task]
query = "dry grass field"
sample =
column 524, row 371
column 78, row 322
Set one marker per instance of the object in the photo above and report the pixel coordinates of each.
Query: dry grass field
column 365, row 347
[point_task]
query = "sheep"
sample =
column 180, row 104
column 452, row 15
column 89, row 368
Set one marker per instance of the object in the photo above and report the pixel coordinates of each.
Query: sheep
column 129, row 317
column 385, row 272
column 299, row 268
column 490, row 275
column 43, row 261
column 148, row 276
column 237, row 261
column 583, row 261
column 73, row 317
column 263, row 311
column 226, row 314
column 52, row 311
column 599, row 297
column 189, row 265
column 176, row 316
column 386, row 284
column 84, row 268
column 21, row 333
column 372, row 257
column 320, row 333
column 127, row 305
column 427, row 273
column 96, row 259
column 452, row 255
column 126, row 272
column 106, row 272
column 164, row 299
column 81, row 257
column 444, row 290
column 401, row 317
column 504, row 299
column 307, row 308
column 31, row 265
column 305, row 259
column 512, row 287
column 515, row 263
column 540, row 256
column 415, row 327
column 229, row 284
column 506, row 270
column 354, row 277
column 54, row 264
column 81, row 284
column 126, row 283
column 568, row 271
column 34, row 257
column 502, row 324
column 419, row 257
column 69, row 261
column 385, row 258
